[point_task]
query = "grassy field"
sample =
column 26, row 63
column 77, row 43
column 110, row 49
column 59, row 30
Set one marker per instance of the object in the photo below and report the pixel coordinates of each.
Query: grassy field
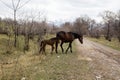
column 115, row 44
column 63, row 67
column 14, row 63
column 29, row 66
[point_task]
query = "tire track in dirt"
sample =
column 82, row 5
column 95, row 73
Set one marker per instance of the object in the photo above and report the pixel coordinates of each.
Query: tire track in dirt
column 103, row 61
column 111, row 53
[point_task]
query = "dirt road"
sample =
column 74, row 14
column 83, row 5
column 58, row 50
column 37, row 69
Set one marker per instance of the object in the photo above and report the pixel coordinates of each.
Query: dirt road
column 104, row 62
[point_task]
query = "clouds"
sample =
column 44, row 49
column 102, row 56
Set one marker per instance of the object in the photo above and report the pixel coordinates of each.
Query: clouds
column 68, row 10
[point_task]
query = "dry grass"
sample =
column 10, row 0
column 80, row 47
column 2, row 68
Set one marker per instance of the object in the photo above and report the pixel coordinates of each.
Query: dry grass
column 115, row 44
column 31, row 66
column 17, row 64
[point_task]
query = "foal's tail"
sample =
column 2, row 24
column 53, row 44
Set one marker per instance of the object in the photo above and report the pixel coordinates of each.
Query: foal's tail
column 41, row 44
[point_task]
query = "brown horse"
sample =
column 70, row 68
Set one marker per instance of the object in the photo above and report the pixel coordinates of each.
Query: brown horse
column 50, row 42
column 68, row 37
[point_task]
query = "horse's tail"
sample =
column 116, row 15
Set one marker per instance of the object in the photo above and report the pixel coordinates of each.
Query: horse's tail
column 58, row 41
column 57, row 36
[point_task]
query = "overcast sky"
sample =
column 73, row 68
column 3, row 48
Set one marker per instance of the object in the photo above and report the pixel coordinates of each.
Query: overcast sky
column 65, row 10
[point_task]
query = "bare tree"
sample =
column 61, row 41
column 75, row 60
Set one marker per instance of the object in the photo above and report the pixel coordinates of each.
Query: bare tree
column 15, row 7
column 117, row 25
column 96, row 30
column 81, row 25
column 66, row 26
column 91, row 27
column 108, row 18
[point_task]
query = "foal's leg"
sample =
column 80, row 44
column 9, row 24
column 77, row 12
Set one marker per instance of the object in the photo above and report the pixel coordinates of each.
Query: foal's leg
column 56, row 44
column 44, row 48
column 40, row 50
column 52, row 49
column 62, row 47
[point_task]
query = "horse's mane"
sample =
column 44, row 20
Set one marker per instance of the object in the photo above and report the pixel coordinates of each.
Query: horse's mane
column 76, row 35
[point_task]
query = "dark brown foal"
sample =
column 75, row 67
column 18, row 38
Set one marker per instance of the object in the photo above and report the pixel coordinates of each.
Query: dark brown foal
column 50, row 42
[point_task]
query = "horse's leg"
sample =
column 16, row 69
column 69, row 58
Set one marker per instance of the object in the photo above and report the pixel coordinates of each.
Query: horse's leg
column 68, row 47
column 71, row 47
column 62, row 47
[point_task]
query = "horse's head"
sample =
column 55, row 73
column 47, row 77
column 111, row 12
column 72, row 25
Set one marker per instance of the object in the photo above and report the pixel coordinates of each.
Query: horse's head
column 81, row 39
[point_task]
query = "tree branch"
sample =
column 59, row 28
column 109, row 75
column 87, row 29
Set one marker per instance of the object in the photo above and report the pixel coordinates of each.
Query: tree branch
column 23, row 4
column 17, row 4
column 6, row 4
column 13, row 4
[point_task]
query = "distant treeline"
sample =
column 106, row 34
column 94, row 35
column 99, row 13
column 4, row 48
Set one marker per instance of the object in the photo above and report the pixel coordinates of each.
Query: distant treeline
column 109, row 27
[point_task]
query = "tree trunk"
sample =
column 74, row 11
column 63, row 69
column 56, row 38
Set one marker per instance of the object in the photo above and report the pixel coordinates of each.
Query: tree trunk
column 119, row 31
column 15, row 30
column 108, row 37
